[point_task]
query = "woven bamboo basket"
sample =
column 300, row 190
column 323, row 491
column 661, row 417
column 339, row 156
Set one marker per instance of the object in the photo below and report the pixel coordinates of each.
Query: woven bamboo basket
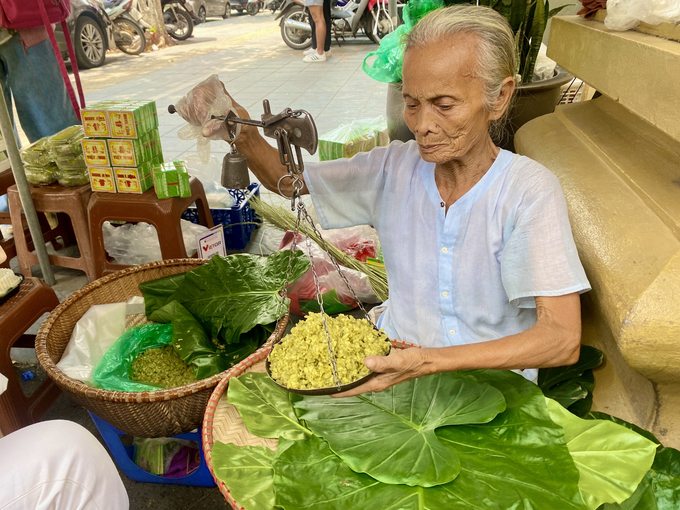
column 161, row 413
column 222, row 422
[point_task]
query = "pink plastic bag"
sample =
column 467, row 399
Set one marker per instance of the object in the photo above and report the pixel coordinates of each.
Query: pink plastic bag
column 359, row 242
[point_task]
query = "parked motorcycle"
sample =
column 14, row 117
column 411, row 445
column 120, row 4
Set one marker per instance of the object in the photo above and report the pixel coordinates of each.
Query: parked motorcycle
column 253, row 7
column 177, row 19
column 370, row 15
column 127, row 32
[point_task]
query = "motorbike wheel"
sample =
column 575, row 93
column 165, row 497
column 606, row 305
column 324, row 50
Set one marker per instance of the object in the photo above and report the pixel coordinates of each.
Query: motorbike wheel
column 184, row 25
column 227, row 11
column 253, row 8
column 90, row 43
column 384, row 23
column 133, row 40
column 294, row 38
column 202, row 15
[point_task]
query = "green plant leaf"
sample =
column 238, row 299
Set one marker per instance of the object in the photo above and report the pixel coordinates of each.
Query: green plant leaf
column 391, row 435
column 247, row 472
column 309, row 476
column 158, row 293
column 612, row 460
column 589, row 358
column 594, row 415
column 557, row 10
column 265, row 408
column 230, row 295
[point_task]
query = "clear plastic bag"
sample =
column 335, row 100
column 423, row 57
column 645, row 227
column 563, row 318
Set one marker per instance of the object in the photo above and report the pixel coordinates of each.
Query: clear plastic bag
column 206, row 99
column 335, row 295
column 626, row 14
column 137, row 243
column 41, row 175
column 545, row 67
column 210, row 175
column 360, row 135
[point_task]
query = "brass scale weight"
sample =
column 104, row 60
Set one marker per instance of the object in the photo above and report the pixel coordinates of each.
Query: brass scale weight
column 293, row 131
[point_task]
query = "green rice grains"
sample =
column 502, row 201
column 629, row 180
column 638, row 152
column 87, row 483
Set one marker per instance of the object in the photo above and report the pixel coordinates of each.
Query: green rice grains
column 161, row 367
column 301, row 359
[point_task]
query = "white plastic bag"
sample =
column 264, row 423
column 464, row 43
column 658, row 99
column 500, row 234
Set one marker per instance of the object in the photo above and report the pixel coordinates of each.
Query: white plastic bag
column 626, row 14
column 94, row 334
column 545, row 67
column 210, row 175
column 137, row 243
column 203, row 101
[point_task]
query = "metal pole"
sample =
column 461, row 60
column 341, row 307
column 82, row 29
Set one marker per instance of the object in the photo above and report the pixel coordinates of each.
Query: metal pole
column 24, row 190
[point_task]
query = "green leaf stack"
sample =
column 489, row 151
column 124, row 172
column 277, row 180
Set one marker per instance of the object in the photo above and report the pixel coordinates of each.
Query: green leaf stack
column 457, row 441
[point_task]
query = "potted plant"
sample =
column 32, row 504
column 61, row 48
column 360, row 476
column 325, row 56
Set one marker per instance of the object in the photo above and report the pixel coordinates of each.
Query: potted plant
column 528, row 20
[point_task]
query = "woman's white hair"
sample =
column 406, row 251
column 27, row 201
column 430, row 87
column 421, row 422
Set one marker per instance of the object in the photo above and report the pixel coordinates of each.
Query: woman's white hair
column 496, row 59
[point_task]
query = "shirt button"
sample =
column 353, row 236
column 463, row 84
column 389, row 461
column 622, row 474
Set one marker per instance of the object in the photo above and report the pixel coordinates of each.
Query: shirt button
column 442, row 204
column 445, row 294
column 445, row 249
column 453, row 331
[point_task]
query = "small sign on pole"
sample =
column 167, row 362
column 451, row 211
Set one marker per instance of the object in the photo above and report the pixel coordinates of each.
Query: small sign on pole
column 211, row 243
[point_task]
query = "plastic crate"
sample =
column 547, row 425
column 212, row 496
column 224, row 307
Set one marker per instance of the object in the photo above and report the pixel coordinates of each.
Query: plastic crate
column 238, row 222
column 123, row 456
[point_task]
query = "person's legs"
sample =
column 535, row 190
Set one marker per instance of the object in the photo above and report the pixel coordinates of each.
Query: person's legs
column 313, row 25
column 58, row 465
column 316, row 12
column 38, row 89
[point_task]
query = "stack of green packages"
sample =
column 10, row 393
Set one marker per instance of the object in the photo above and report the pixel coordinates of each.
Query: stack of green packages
column 171, row 180
column 360, row 135
column 123, row 145
column 57, row 158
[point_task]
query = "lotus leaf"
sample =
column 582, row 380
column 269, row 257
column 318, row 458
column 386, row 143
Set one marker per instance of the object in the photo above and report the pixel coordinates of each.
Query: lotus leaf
column 612, row 460
column 391, row 435
column 247, row 471
column 264, row 407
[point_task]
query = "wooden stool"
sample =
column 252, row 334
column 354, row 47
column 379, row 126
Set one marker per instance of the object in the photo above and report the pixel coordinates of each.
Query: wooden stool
column 164, row 214
column 16, row 316
column 68, row 203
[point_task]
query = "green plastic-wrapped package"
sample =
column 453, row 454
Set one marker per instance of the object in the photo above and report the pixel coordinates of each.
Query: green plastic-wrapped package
column 389, row 57
column 112, row 372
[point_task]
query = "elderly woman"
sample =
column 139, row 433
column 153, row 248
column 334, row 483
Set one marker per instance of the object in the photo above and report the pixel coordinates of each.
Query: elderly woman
column 481, row 263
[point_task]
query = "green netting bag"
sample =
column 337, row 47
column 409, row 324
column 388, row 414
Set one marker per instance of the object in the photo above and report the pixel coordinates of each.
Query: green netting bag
column 112, row 372
column 389, row 57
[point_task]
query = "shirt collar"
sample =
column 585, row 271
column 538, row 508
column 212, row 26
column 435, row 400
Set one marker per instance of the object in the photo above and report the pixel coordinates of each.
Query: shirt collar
column 476, row 192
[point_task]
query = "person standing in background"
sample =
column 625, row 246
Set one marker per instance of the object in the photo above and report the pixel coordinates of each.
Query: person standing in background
column 320, row 20
column 30, row 75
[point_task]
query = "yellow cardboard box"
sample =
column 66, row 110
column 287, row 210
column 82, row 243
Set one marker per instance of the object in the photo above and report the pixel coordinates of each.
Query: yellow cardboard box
column 101, row 179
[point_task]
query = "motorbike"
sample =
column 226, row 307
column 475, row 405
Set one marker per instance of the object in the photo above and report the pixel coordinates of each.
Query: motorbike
column 369, row 15
column 127, row 32
column 253, row 7
column 177, row 19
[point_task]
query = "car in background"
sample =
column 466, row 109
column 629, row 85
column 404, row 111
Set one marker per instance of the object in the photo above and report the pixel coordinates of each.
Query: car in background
column 211, row 9
column 91, row 33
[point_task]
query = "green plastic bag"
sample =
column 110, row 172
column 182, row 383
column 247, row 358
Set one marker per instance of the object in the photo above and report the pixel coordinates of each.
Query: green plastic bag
column 113, row 371
column 389, row 57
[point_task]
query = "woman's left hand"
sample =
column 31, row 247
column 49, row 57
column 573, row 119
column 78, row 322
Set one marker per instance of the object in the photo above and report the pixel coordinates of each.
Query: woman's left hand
column 399, row 366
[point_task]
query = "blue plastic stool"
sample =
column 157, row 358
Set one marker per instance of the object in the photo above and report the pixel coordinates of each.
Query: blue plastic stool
column 123, row 456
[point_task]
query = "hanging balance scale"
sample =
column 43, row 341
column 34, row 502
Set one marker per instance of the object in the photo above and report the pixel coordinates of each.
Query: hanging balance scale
column 293, row 131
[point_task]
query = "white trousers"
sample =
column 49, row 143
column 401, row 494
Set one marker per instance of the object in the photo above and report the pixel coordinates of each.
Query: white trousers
column 58, row 465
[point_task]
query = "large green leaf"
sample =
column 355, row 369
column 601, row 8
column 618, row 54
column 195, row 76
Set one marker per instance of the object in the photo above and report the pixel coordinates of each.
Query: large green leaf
column 265, row 408
column 158, row 293
column 230, row 295
column 611, row 459
column 247, row 472
column 594, row 415
column 589, row 358
column 391, row 435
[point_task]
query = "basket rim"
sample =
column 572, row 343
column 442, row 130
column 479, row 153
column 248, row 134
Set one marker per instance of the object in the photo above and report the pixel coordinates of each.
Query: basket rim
column 83, row 389
column 207, row 437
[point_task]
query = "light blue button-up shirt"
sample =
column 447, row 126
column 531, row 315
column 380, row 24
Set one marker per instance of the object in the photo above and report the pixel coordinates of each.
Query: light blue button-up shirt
column 463, row 276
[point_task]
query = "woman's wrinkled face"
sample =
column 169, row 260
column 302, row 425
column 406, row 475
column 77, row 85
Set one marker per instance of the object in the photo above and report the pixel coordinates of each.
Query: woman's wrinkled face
column 444, row 98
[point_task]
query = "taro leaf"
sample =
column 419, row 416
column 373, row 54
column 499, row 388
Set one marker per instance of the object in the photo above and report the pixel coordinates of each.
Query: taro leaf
column 549, row 377
column 247, row 472
column 164, row 314
column 568, row 392
column 594, row 415
column 582, row 407
column 391, row 435
column 265, row 408
column 158, row 293
column 230, row 295
column 309, row 476
column 612, row 460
